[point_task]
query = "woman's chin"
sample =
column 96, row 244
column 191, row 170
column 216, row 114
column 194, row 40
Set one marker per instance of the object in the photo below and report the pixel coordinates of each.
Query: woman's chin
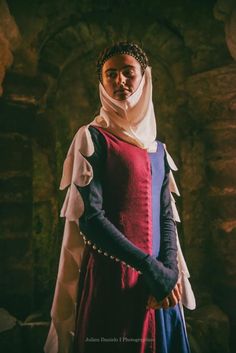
column 121, row 96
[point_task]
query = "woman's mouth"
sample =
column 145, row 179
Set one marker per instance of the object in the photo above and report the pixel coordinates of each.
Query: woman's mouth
column 122, row 90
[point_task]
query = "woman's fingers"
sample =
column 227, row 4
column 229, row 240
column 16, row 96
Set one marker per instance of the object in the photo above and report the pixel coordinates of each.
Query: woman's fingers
column 165, row 303
column 176, row 293
column 180, row 288
column 152, row 303
column 173, row 298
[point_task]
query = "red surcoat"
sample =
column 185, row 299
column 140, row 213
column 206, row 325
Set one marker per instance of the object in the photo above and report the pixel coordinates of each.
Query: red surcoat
column 112, row 297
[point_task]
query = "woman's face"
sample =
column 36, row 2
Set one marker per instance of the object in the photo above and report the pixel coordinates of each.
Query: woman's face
column 121, row 76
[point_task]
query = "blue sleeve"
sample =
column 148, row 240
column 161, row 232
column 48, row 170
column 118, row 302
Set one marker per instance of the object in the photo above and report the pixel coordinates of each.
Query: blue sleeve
column 102, row 233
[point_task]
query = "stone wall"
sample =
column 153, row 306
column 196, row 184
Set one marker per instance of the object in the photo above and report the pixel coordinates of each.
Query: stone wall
column 51, row 89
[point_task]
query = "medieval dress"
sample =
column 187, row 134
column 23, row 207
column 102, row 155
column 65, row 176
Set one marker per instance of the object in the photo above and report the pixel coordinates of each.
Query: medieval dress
column 129, row 191
column 120, row 246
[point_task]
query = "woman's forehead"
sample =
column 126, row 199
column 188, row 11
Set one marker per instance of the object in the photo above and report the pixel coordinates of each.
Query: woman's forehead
column 120, row 61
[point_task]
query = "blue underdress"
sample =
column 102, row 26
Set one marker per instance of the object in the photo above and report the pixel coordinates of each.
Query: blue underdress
column 171, row 334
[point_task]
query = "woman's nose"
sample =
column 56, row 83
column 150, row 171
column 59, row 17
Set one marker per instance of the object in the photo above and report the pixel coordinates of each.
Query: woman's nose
column 120, row 79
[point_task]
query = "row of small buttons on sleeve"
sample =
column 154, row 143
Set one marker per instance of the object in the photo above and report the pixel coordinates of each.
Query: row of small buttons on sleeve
column 88, row 242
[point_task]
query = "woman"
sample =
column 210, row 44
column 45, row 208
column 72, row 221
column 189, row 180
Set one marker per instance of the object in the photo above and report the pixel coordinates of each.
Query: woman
column 119, row 198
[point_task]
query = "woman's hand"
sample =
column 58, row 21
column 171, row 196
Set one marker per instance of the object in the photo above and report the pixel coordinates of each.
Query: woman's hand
column 175, row 295
column 153, row 304
column 171, row 300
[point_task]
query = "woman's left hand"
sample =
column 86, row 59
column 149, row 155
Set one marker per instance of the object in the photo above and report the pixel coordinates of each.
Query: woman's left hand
column 153, row 304
column 171, row 300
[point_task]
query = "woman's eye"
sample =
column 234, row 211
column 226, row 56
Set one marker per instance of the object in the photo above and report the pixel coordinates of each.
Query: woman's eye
column 111, row 74
column 129, row 73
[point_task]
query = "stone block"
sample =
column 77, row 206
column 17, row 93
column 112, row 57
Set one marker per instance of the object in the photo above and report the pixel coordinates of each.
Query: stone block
column 24, row 91
column 217, row 83
column 222, row 206
column 53, row 57
column 21, row 337
column 7, row 321
column 196, row 260
column 194, row 218
column 208, row 330
column 193, row 169
column 34, row 336
column 16, row 293
column 16, row 275
column 15, row 219
column 221, row 173
column 220, row 140
column 212, row 95
column 18, row 279
column 10, row 333
column 45, row 250
column 15, row 153
column 15, row 118
column 14, row 252
column 68, row 39
column 16, row 189
column 43, row 180
column 223, row 244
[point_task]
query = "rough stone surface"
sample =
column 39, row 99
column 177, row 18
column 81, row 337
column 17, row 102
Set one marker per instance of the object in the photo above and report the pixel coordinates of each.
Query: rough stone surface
column 34, row 336
column 10, row 340
column 225, row 10
column 7, row 322
column 208, row 330
column 15, row 153
column 9, row 39
column 21, row 337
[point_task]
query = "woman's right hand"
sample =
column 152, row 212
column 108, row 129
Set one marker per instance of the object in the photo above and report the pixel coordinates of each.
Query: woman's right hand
column 171, row 300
